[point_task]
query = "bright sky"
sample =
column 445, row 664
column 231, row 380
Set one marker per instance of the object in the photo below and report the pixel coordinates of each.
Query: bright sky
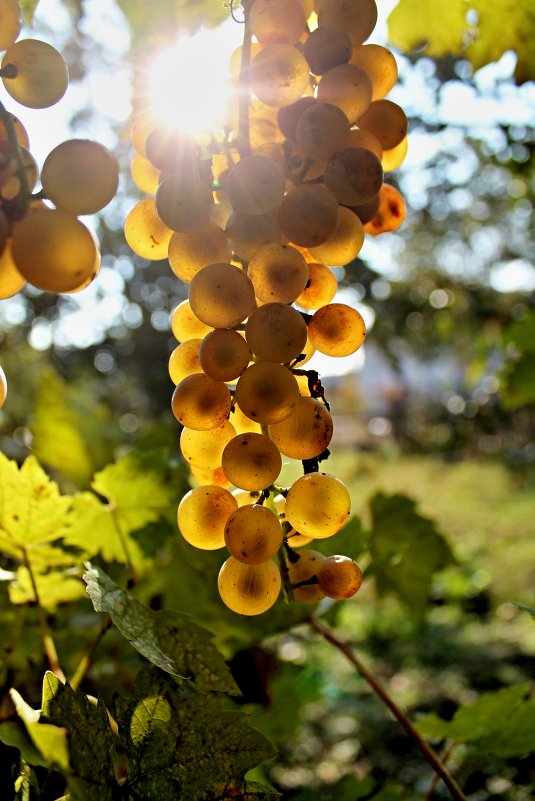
column 196, row 69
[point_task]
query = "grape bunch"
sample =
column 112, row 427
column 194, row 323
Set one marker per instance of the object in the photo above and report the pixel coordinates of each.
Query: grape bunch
column 42, row 244
column 252, row 223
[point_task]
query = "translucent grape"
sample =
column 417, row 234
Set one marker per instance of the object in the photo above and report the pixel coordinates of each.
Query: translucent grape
column 337, row 330
column 255, row 185
column 251, row 461
column 267, row 392
column 11, row 281
column 309, row 215
column 358, row 137
column 276, row 332
column 354, row 175
column 185, row 325
column 40, row 75
column 322, row 129
column 249, row 589
column 200, row 403
column 367, row 211
column 356, row 19
column 279, row 273
column 394, row 158
column 277, row 21
column 20, row 130
column 345, row 244
column 288, row 116
column 202, row 515
column 253, row 534
column 144, row 231
column 221, row 295
column 305, row 568
column 242, row 423
column 3, row 387
column 386, row 121
column 339, row 577
column 347, row 87
column 321, row 287
column 224, row 354
column 170, row 150
column 390, row 213
column 11, row 22
column 317, row 505
column 234, row 65
column 145, row 176
column 380, row 65
column 209, row 475
column 246, row 498
column 53, row 250
column 279, row 75
column 80, row 176
column 184, row 201
column 248, row 232
column 306, row 433
column 140, row 128
column 205, row 448
column 326, row 48
column 184, row 360
column 190, row 252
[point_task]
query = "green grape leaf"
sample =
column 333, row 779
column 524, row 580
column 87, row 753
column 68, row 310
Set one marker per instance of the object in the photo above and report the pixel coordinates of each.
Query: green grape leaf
column 16, row 736
column 406, row 551
column 32, row 511
column 91, row 743
column 28, row 9
column 440, row 24
column 185, row 745
column 50, row 740
column 146, row 21
column 170, row 640
column 527, row 609
column 350, row 541
column 518, row 383
column 522, row 333
column 501, row 722
column 55, row 587
column 57, row 438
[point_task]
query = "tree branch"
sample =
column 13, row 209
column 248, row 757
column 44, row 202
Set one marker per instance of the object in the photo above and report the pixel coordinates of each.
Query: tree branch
column 401, row 716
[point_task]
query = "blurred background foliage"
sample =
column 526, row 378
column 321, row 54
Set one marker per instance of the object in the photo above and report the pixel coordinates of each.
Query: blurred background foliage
column 435, row 428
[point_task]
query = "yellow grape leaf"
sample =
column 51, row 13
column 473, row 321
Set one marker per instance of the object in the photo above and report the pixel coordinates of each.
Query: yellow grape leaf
column 96, row 529
column 440, row 24
column 32, row 511
column 505, row 25
column 57, row 439
column 50, row 740
column 55, row 587
column 137, row 492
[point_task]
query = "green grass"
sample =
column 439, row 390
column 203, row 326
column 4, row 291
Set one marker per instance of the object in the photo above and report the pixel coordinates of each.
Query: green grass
column 479, row 506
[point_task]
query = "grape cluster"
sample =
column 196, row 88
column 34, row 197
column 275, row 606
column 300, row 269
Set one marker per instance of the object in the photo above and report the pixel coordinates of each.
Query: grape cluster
column 44, row 245
column 253, row 224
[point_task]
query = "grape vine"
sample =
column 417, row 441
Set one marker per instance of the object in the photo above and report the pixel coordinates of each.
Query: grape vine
column 254, row 223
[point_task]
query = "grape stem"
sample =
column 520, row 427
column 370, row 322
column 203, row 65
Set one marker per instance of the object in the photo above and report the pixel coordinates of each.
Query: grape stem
column 87, row 659
column 244, row 141
column 429, row 754
column 14, row 145
column 48, row 641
